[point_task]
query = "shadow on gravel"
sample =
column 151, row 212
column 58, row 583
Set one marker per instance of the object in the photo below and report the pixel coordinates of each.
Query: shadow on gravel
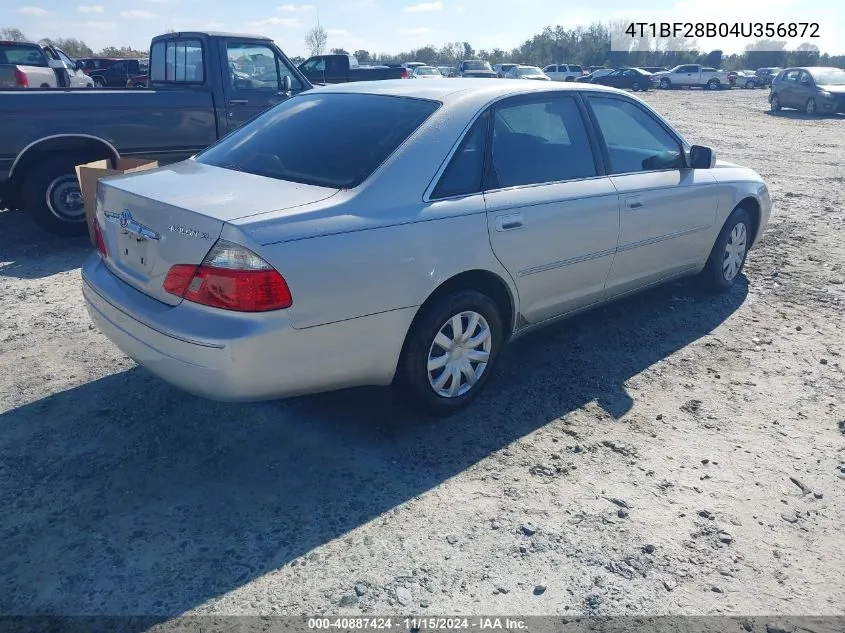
column 798, row 114
column 29, row 252
column 125, row 496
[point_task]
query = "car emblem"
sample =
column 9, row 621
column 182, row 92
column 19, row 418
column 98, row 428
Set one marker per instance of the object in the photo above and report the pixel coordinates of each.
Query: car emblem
column 131, row 226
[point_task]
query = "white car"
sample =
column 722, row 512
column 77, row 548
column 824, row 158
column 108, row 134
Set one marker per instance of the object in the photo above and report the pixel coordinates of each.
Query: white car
column 425, row 72
column 30, row 65
column 693, row 75
column 563, row 72
column 527, row 72
column 261, row 269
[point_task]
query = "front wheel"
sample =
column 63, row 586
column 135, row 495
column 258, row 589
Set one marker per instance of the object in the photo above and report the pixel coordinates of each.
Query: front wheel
column 713, row 84
column 635, row 86
column 810, row 107
column 729, row 252
column 749, row 84
column 665, row 84
column 450, row 352
column 774, row 103
column 99, row 82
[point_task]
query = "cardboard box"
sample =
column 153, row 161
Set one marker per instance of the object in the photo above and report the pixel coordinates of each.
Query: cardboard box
column 90, row 173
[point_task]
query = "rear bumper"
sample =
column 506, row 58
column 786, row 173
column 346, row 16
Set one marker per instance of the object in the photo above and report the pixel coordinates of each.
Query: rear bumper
column 238, row 357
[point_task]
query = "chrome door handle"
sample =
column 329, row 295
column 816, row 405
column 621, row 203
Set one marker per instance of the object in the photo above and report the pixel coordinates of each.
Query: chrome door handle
column 238, row 102
column 634, row 203
column 509, row 222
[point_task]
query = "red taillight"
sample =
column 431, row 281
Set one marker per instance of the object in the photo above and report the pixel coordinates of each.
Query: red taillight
column 20, row 78
column 100, row 240
column 230, row 277
column 404, row 74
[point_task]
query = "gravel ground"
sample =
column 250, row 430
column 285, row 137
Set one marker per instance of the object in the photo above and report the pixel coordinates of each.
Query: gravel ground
column 671, row 454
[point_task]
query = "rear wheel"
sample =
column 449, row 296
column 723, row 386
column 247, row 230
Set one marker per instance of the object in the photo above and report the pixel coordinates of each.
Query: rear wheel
column 810, row 107
column 99, row 82
column 729, row 252
column 665, row 83
column 713, row 84
column 51, row 193
column 636, row 86
column 749, row 84
column 450, row 352
column 774, row 103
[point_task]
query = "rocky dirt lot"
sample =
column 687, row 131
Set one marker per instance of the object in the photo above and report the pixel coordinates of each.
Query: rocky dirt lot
column 672, row 454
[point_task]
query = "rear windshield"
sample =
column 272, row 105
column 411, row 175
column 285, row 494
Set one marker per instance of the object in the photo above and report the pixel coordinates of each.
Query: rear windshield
column 22, row 55
column 328, row 140
column 475, row 65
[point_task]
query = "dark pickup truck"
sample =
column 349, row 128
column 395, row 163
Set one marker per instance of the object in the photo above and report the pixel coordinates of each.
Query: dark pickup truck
column 337, row 69
column 202, row 85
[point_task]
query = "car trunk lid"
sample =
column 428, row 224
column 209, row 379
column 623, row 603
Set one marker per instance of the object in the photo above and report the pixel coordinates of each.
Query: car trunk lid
column 154, row 220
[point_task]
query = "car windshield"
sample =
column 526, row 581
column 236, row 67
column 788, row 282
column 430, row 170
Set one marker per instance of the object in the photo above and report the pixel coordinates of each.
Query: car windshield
column 322, row 139
column 477, row 66
column 426, row 70
column 829, row 77
column 529, row 70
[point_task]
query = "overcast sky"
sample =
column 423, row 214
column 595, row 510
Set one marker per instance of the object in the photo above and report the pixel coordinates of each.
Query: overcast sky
column 392, row 25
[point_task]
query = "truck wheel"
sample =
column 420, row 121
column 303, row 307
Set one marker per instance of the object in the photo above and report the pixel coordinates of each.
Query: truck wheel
column 52, row 195
column 665, row 83
column 99, row 82
column 713, row 84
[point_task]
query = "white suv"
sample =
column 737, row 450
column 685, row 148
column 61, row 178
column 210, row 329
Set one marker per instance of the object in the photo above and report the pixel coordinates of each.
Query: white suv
column 563, row 72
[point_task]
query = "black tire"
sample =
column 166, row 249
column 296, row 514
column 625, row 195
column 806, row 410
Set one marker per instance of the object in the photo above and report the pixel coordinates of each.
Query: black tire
column 810, row 107
column 713, row 84
column 46, row 189
column 774, row 103
column 749, row 84
column 412, row 374
column 713, row 277
column 665, row 83
column 635, row 86
column 99, row 82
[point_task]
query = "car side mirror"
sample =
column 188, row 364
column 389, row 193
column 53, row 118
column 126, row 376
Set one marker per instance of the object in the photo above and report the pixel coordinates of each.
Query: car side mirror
column 286, row 83
column 701, row 157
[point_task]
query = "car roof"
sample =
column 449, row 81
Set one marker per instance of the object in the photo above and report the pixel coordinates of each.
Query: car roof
column 447, row 90
column 811, row 68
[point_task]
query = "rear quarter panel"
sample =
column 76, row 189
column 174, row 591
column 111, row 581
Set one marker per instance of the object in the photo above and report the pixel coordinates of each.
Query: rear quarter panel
column 373, row 270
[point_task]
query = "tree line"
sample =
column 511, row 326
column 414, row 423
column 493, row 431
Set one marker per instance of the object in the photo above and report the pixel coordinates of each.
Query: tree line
column 588, row 45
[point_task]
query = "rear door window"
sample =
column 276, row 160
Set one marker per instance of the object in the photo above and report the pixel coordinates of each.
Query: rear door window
column 358, row 132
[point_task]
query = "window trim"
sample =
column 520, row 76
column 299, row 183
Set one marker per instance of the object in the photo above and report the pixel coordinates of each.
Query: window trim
column 682, row 144
column 176, row 42
column 595, row 146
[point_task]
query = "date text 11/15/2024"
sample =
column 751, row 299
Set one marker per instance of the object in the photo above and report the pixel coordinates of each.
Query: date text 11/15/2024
column 723, row 29
column 425, row 623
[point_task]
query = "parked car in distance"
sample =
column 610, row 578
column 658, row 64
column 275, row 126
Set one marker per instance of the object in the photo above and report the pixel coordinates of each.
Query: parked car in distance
column 654, row 69
column 599, row 72
column 766, row 75
column 333, row 69
column 117, row 73
column 31, row 65
column 564, row 72
column 527, row 72
column 284, row 260
column 812, row 89
column 502, row 69
column 634, row 79
column 425, row 72
column 475, row 68
column 91, row 64
column 409, row 66
column 745, row 79
column 693, row 75
column 188, row 106
column 447, row 71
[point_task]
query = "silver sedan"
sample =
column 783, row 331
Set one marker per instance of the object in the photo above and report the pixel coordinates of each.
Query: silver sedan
column 400, row 232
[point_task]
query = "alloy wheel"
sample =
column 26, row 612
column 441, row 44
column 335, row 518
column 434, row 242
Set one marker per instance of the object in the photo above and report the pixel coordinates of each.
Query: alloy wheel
column 735, row 251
